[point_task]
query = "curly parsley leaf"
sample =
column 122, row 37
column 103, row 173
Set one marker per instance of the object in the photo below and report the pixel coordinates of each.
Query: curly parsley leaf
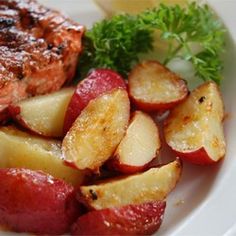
column 116, row 43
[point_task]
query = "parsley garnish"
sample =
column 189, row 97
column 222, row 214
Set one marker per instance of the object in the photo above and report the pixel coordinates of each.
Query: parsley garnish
column 117, row 43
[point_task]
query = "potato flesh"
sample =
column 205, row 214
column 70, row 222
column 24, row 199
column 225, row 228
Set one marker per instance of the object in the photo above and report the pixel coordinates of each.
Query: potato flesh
column 45, row 114
column 97, row 131
column 152, row 83
column 141, row 141
column 197, row 123
column 20, row 149
column 152, row 185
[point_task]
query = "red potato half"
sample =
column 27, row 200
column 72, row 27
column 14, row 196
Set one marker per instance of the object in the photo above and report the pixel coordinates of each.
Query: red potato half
column 194, row 129
column 44, row 114
column 35, row 202
column 98, row 82
column 97, row 131
column 22, row 150
column 142, row 219
column 140, row 145
column 152, row 185
column 153, row 87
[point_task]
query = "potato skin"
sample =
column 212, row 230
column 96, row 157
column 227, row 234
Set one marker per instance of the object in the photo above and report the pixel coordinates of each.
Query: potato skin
column 97, row 83
column 198, row 157
column 120, row 164
column 32, row 201
column 142, row 219
column 97, row 131
column 115, row 164
column 145, row 77
column 194, row 128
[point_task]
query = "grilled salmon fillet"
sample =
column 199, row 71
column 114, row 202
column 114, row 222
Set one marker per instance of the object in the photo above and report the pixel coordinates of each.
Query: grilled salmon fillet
column 39, row 49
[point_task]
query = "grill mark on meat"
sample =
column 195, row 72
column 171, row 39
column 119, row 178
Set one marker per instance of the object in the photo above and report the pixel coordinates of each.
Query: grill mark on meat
column 6, row 22
column 39, row 50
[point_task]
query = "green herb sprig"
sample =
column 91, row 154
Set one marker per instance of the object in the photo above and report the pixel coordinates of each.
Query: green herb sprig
column 117, row 43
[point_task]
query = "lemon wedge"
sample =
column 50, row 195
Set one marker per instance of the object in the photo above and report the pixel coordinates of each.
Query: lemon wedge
column 111, row 7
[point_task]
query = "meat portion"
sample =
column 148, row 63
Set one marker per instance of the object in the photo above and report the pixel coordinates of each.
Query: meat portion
column 39, row 50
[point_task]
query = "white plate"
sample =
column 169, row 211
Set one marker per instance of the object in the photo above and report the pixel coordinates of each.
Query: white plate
column 203, row 203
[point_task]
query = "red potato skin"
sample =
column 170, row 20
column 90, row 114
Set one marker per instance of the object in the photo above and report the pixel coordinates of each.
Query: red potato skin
column 14, row 111
column 4, row 116
column 161, row 107
column 143, row 219
column 152, row 107
column 198, row 157
column 115, row 164
column 32, row 201
column 97, row 83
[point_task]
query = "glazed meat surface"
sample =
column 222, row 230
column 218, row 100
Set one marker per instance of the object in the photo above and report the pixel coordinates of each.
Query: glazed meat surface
column 39, row 49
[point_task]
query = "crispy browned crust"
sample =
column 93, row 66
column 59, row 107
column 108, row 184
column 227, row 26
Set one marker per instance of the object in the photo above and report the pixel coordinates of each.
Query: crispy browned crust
column 39, row 48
